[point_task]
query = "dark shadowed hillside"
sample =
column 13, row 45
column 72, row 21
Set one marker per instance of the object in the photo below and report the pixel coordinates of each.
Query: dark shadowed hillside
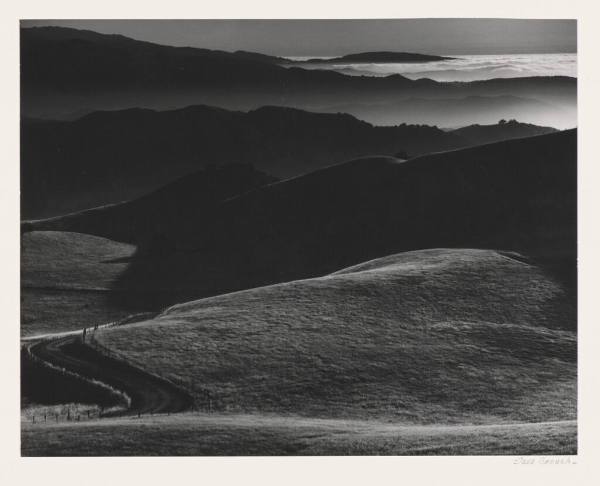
column 59, row 58
column 513, row 195
column 151, row 218
column 107, row 157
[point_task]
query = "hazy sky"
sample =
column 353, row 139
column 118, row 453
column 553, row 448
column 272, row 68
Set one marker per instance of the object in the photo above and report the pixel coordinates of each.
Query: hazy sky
column 335, row 37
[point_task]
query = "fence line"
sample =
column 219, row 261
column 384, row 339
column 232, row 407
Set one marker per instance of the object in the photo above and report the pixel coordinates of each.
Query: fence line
column 91, row 415
column 206, row 404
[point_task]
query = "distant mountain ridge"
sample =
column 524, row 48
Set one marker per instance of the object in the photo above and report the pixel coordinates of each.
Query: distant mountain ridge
column 59, row 56
column 500, row 131
column 457, row 111
column 64, row 70
column 108, row 157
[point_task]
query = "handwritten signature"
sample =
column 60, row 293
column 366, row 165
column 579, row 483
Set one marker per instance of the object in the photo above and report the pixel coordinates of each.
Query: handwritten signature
column 545, row 460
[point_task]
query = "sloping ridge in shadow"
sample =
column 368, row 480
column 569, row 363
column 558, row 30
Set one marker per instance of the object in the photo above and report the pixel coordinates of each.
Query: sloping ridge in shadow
column 517, row 195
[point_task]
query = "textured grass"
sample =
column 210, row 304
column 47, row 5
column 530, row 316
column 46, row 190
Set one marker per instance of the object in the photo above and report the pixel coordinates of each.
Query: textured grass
column 45, row 311
column 425, row 337
column 73, row 261
column 31, row 411
column 66, row 281
column 272, row 435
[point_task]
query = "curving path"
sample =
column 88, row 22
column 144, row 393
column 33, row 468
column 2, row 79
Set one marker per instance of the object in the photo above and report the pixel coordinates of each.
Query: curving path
column 148, row 393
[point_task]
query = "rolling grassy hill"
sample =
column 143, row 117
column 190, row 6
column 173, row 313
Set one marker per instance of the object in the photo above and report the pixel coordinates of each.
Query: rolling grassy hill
column 375, row 306
column 513, row 195
column 431, row 336
column 48, row 258
column 66, row 280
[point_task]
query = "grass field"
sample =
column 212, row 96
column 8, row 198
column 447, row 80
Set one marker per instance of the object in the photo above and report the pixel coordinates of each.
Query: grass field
column 45, row 311
column 66, row 281
column 191, row 434
column 514, row 195
column 73, row 261
column 424, row 337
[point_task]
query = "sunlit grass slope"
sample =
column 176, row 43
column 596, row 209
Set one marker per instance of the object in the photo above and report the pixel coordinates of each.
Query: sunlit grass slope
column 431, row 336
column 66, row 280
column 210, row 434
column 71, row 260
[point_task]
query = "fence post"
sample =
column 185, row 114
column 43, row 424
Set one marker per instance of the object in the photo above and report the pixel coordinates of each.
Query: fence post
column 44, row 418
column 33, row 419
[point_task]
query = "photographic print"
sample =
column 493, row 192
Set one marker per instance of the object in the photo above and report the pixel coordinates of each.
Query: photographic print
column 298, row 237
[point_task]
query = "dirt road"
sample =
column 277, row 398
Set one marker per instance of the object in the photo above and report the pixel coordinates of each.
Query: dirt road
column 148, row 393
